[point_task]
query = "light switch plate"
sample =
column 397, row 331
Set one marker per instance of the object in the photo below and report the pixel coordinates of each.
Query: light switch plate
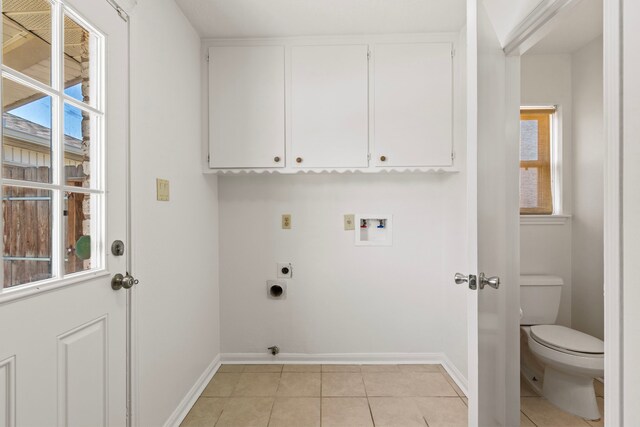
column 286, row 221
column 349, row 222
column 162, row 189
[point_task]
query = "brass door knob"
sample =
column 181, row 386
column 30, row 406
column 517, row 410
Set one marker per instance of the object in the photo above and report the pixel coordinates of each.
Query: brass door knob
column 383, row 158
column 276, row 159
column 299, row 160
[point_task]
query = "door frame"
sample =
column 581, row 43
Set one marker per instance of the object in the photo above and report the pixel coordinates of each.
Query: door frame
column 124, row 8
column 533, row 29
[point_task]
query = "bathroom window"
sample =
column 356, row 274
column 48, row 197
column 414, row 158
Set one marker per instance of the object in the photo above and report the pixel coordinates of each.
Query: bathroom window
column 536, row 139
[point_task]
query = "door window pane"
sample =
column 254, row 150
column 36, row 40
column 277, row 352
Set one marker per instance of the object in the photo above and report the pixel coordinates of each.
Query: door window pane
column 78, row 135
column 26, row 44
column 78, row 210
column 77, row 52
column 26, row 214
column 26, row 139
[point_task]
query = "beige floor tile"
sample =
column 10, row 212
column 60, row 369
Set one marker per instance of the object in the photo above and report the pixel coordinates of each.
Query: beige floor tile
column 205, row 412
column 387, row 384
column 429, row 384
column 395, row 412
column 599, row 387
column 257, row 385
column 544, row 414
column 302, row 368
column 246, row 412
column 262, row 369
column 443, row 411
column 294, row 384
column 451, row 382
column 341, row 368
column 420, row 368
column 525, row 421
column 231, row 368
column 221, row 385
column 295, row 412
column 526, row 390
column 346, row 412
column 600, row 422
column 379, row 368
column 345, row 384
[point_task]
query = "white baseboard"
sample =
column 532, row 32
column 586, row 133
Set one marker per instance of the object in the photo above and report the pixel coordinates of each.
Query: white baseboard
column 352, row 358
column 455, row 374
column 190, row 399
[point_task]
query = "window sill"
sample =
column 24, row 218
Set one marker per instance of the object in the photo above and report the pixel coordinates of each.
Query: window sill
column 544, row 219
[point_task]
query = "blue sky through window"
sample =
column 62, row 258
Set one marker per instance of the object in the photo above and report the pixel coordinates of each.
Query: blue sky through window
column 39, row 111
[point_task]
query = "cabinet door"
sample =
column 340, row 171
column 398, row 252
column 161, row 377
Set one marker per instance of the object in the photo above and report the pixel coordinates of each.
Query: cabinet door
column 246, row 107
column 413, row 104
column 329, row 106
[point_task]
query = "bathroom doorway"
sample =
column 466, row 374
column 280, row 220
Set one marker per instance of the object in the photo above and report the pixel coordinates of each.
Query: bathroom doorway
column 562, row 217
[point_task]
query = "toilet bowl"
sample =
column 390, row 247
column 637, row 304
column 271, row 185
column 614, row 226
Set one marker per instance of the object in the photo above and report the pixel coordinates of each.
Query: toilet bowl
column 570, row 360
column 564, row 360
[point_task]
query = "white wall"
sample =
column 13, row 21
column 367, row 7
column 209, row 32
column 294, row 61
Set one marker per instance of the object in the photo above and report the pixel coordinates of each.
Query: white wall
column 175, row 242
column 587, row 300
column 573, row 250
column 631, row 212
column 342, row 298
column 546, row 249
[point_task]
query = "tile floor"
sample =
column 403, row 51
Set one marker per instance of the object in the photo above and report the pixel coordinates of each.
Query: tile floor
column 351, row 396
column 330, row 396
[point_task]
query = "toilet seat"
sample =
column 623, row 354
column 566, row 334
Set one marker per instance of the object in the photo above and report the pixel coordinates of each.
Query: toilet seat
column 567, row 340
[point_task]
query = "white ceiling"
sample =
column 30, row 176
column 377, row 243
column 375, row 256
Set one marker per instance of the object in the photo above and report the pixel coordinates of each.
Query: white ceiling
column 276, row 18
column 583, row 25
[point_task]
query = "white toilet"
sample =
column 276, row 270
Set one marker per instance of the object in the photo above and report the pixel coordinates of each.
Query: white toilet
column 564, row 360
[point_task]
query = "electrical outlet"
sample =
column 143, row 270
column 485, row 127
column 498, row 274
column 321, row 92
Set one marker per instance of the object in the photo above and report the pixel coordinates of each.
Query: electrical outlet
column 285, row 270
column 286, row 221
column 349, row 222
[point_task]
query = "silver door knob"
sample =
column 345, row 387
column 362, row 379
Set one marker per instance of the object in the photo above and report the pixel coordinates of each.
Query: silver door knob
column 119, row 281
column 493, row 281
column 470, row 279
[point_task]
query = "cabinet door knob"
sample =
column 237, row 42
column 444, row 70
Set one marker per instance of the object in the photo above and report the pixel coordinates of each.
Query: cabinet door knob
column 276, row 159
column 383, row 158
column 299, row 160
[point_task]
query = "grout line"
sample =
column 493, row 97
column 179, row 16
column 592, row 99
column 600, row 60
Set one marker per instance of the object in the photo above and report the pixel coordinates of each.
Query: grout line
column 373, row 420
column 527, row 417
column 271, row 411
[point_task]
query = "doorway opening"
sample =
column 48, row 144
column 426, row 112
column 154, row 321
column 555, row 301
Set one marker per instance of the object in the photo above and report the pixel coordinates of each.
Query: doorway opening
column 562, row 159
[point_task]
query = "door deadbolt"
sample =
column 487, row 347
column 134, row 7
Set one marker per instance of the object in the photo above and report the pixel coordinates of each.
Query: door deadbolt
column 119, row 281
column 117, row 248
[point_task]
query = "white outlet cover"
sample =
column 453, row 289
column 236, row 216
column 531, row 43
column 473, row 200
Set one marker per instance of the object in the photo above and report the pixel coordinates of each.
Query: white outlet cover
column 282, row 275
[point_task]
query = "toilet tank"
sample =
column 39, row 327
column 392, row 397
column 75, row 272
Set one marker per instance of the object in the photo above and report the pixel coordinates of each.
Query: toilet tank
column 540, row 299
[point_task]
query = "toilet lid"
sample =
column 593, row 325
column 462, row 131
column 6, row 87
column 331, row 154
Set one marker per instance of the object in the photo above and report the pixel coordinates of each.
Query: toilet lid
column 566, row 338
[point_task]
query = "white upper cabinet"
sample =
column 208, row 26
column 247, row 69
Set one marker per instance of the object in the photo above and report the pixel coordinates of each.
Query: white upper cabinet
column 412, row 104
column 329, row 106
column 247, row 107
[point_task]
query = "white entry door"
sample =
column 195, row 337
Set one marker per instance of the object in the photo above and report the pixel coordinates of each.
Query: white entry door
column 63, row 329
column 493, row 234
